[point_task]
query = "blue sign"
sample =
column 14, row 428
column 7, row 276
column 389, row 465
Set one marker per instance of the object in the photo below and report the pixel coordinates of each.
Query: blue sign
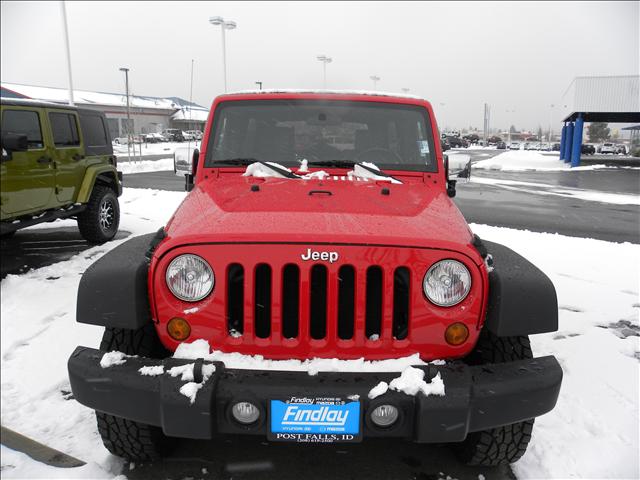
column 338, row 418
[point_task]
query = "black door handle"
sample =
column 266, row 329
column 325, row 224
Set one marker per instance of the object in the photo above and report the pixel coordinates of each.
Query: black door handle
column 44, row 160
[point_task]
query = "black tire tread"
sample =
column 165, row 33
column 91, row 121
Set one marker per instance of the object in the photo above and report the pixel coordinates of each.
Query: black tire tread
column 500, row 445
column 88, row 219
column 125, row 438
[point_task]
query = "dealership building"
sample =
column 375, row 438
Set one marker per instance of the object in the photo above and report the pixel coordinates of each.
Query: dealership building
column 148, row 114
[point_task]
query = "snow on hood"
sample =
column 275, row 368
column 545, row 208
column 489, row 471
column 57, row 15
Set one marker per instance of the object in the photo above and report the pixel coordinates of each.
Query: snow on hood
column 262, row 170
column 360, row 172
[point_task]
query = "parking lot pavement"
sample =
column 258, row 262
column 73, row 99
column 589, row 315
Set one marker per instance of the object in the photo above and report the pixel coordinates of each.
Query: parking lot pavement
column 38, row 247
column 255, row 459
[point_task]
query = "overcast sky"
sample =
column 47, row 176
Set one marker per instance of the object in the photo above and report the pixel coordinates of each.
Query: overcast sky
column 518, row 56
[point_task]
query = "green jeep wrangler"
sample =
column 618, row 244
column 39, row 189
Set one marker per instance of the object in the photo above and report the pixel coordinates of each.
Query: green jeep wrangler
column 57, row 162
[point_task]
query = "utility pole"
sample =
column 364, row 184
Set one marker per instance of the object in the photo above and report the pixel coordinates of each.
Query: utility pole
column 550, row 122
column 324, row 59
column 191, row 96
column 224, row 25
column 375, row 79
column 259, row 85
column 129, row 136
column 66, row 43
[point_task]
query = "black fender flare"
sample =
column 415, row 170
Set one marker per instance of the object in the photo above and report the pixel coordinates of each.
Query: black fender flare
column 522, row 299
column 113, row 290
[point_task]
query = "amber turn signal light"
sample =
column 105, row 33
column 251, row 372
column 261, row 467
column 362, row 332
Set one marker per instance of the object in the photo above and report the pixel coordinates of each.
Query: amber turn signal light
column 456, row 333
column 178, row 329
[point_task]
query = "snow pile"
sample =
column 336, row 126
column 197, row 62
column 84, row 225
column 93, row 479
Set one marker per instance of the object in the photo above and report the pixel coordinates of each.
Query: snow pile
column 262, row 170
column 411, row 381
column 521, row 160
column 190, row 389
column 593, row 432
column 162, row 165
column 547, row 189
column 110, row 359
column 378, row 390
column 359, row 171
column 152, row 371
column 200, row 349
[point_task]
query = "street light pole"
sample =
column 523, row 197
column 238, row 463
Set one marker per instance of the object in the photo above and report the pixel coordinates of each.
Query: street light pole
column 550, row 120
column 126, row 84
column 66, row 43
column 375, row 79
column 324, row 59
column 224, row 25
column 259, row 85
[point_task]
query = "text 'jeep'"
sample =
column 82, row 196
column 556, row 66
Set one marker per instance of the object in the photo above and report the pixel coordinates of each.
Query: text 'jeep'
column 317, row 285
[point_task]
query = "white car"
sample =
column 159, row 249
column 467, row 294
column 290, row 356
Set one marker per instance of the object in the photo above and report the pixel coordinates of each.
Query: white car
column 608, row 148
column 188, row 136
column 197, row 134
column 514, row 146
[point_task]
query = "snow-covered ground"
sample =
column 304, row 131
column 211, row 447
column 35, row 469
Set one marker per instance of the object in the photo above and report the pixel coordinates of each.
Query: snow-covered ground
column 559, row 191
column 150, row 149
column 528, row 160
column 163, row 164
column 592, row 432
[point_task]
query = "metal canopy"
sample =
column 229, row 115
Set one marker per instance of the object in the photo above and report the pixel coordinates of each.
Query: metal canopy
column 607, row 117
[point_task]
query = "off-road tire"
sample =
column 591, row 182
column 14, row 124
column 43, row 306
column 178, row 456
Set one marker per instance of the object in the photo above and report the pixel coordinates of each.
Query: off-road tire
column 128, row 439
column 501, row 445
column 99, row 222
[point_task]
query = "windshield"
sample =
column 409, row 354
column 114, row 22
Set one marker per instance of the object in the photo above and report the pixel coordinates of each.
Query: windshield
column 395, row 137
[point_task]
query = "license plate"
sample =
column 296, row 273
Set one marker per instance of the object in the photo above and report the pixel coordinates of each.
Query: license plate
column 314, row 420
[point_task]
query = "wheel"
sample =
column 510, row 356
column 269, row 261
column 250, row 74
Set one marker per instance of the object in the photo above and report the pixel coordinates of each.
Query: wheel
column 501, row 445
column 128, row 439
column 99, row 222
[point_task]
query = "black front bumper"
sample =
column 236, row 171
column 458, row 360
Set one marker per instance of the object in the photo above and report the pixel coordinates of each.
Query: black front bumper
column 476, row 398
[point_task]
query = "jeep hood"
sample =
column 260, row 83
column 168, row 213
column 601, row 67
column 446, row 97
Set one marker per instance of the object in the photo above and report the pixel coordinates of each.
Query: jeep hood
column 232, row 208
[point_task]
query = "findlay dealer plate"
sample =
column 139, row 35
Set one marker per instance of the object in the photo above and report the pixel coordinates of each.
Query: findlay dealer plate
column 314, row 420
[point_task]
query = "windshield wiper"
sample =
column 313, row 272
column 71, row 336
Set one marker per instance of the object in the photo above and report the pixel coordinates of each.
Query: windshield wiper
column 333, row 163
column 236, row 161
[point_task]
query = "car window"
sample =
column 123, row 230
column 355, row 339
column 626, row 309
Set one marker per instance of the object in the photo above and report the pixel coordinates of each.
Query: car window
column 93, row 127
column 23, row 122
column 65, row 129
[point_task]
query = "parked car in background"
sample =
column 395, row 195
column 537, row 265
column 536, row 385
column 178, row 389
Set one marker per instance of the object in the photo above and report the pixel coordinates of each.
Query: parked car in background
column 188, row 137
column 154, row 138
column 555, row 147
column 494, row 140
column 473, row 138
column 58, row 162
column 588, row 149
column 196, row 134
column 173, row 135
column 514, row 146
column 621, row 149
column 457, row 142
column 445, row 145
column 501, row 146
column 545, row 147
column 608, row 148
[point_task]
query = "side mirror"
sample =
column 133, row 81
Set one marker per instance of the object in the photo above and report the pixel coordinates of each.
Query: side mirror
column 190, row 178
column 451, row 184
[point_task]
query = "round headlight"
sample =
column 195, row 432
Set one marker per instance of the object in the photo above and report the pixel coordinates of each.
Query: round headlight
column 447, row 283
column 190, row 278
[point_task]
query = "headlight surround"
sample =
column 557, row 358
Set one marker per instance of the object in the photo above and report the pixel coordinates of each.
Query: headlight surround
column 447, row 283
column 190, row 277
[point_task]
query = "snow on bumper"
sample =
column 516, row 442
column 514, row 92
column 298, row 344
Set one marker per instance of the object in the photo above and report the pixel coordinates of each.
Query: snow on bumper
column 477, row 398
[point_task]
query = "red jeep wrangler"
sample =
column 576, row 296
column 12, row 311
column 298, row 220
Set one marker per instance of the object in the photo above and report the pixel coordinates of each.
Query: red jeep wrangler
column 318, row 226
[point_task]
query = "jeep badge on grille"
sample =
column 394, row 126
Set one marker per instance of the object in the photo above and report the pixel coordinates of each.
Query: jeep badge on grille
column 326, row 256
